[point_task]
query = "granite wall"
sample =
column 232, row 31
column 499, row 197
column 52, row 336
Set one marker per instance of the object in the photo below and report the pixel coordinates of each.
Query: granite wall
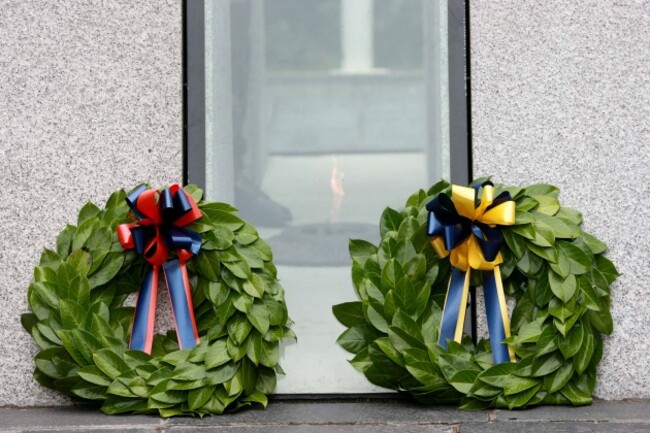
column 560, row 94
column 90, row 102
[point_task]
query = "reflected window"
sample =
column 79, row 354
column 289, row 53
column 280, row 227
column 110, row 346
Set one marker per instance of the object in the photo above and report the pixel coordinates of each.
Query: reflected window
column 316, row 116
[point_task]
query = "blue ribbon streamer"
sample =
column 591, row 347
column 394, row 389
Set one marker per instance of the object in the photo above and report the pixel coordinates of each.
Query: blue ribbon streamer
column 445, row 221
column 171, row 207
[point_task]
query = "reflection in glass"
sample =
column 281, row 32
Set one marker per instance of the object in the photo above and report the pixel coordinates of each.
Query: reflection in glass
column 319, row 115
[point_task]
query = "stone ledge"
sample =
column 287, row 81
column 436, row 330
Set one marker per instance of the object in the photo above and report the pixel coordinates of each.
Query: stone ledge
column 357, row 416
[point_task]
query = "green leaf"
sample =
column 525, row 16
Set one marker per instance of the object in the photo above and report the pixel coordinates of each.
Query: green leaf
column 238, row 328
column 222, row 374
column 239, row 269
column 596, row 246
column 72, row 315
column 360, row 250
column 547, row 341
column 563, row 265
column 529, row 333
column 607, row 268
column 561, row 310
column 519, row 399
column 557, row 380
column 216, row 355
column 389, row 350
column 569, row 215
column 546, row 364
column 515, row 242
column 110, row 363
column 83, row 232
column 220, row 218
column 497, row 375
column 50, row 259
column 590, row 300
column 601, row 321
column 110, row 266
column 188, row 372
column 254, row 352
column 540, row 289
column 198, row 397
column 209, row 265
column 390, row 276
column 547, row 253
column 257, row 397
column 559, row 227
column 100, row 239
column 258, row 315
column 515, row 385
column 94, row 375
column 547, row 205
column 563, row 289
column 355, row 339
column 89, row 392
column 541, row 189
column 576, row 396
column 196, row 193
column 389, row 221
column 64, row 241
column 221, row 238
column 580, row 262
column 28, row 320
column 270, row 354
column 404, row 333
column 463, row 381
column 89, row 210
column 375, row 317
column 524, row 367
column 525, row 230
column 254, row 286
column 81, row 261
column 79, row 291
column 349, row 314
column 530, row 264
column 582, row 359
column 47, row 293
column 571, row 344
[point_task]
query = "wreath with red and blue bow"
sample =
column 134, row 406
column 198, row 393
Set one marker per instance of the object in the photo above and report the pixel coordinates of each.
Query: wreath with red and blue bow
column 229, row 311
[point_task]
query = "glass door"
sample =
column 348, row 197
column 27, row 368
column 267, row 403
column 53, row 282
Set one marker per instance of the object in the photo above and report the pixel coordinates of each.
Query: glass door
column 312, row 117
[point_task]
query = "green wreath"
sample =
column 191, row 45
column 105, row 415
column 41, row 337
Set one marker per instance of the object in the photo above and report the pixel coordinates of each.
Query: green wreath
column 555, row 272
column 81, row 323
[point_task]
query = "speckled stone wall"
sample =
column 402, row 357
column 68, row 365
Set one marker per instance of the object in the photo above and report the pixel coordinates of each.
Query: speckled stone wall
column 561, row 94
column 90, row 101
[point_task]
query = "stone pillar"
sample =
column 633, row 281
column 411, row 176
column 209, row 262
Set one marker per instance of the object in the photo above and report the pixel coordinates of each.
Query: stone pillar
column 357, row 36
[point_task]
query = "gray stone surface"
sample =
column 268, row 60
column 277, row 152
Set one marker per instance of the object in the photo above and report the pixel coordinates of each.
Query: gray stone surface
column 560, row 94
column 91, row 95
column 344, row 416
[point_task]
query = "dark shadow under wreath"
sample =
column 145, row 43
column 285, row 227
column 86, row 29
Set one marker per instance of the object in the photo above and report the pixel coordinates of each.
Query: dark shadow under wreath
column 556, row 273
column 82, row 327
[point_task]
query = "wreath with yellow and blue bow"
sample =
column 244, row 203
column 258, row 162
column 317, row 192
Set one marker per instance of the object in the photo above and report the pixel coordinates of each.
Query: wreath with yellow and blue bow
column 406, row 329
column 228, row 307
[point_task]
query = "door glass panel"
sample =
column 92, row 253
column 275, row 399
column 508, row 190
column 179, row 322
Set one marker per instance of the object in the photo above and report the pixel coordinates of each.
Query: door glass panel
column 319, row 114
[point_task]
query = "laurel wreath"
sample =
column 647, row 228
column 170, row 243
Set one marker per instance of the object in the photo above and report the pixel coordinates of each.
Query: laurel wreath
column 555, row 272
column 81, row 323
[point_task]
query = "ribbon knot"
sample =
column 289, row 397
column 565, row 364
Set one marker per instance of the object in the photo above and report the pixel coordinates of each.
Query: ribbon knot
column 466, row 229
column 158, row 230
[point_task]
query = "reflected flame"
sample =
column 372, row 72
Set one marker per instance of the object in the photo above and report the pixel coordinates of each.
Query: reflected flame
column 336, row 185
